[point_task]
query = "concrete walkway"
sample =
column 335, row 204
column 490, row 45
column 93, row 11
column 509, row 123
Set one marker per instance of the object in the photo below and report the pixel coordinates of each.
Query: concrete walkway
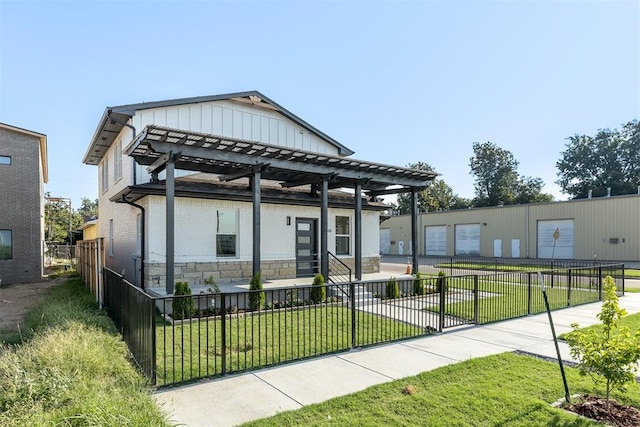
column 240, row 398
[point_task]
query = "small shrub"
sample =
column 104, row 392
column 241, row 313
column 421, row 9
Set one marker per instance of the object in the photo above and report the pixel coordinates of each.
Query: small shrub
column 318, row 291
column 212, row 285
column 441, row 282
column 610, row 352
column 256, row 297
column 418, row 285
column 392, row 288
column 182, row 307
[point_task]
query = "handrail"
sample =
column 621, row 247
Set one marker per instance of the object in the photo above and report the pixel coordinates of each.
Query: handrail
column 340, row 267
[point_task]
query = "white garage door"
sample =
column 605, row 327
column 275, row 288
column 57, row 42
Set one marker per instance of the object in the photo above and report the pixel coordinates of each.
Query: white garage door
column 468, row 239
column 385, row 241
column 435, row 239
column 556, row 239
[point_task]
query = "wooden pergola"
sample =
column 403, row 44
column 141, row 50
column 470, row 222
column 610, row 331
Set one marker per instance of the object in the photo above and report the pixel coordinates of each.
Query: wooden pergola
column 165, row 149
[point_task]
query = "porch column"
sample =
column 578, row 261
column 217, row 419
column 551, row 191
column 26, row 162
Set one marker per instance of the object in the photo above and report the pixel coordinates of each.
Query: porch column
column 414, row 230
column 255, row 182
column 324, row 227
column 170, row 230
column 358, row 231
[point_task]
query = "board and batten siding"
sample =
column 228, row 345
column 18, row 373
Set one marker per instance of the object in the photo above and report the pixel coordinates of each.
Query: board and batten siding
column 607, row 227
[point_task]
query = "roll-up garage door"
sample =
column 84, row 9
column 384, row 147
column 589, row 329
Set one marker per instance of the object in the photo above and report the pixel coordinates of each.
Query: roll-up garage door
column 556, row 239
column 468, row 239
column 435, row 238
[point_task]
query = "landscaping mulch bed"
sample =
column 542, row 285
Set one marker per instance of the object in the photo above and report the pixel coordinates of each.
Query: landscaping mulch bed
column 594, row 407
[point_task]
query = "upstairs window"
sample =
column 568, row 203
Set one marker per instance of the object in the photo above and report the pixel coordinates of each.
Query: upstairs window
column 343, row 235
column 105, row 174
column 226, row 231
column 117, row 162
column 5, row 160
column 6, row 247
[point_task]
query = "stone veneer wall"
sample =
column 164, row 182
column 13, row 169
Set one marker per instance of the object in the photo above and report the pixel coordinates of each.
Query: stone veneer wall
column 236, row 271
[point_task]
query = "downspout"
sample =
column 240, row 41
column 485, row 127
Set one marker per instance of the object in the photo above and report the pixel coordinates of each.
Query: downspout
column 134, row 135
column 142, row 237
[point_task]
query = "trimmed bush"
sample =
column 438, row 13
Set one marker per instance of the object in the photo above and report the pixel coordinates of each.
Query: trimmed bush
column 182, row 307
column 392, row 288
column 441, row 282
column 318, row 290
column 256, row 298
column 418, row 286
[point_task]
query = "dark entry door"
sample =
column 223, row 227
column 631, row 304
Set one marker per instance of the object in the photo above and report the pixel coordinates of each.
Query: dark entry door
column 306, row 253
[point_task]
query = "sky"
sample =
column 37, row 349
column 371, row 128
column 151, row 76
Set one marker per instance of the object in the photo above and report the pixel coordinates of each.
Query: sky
column 397, row 82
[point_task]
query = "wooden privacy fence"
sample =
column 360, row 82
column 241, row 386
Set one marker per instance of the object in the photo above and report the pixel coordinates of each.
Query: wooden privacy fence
column 90, row 259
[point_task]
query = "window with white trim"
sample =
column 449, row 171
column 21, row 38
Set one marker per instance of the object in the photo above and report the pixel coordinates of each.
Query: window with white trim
column 105, row 174
column 343, row 235
column 226, row 232
column 5, row 160
column 139, row 235
column 6, row 246
column 117, row 162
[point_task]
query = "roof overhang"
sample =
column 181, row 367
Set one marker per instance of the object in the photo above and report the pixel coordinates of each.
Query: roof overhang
column 43, row 147
column 233, row 158
column 112, row 121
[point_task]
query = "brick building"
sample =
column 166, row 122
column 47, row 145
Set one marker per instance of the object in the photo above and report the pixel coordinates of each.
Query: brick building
column 23, row 173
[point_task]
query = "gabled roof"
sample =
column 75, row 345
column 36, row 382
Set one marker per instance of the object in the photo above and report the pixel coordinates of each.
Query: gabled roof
column 113, row 120
column 43, row 146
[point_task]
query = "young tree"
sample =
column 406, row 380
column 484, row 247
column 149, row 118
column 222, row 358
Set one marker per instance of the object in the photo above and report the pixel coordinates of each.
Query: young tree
column 610, row 352
column 610, row 159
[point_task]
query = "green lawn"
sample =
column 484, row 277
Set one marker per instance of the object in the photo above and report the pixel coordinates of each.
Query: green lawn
column 493, row 267
column 73, row 369
column 502, row 390
column 631, row 321
column 194, row 350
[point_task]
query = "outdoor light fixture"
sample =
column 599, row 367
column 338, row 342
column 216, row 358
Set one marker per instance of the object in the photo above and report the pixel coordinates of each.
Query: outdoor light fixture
column 288, row 220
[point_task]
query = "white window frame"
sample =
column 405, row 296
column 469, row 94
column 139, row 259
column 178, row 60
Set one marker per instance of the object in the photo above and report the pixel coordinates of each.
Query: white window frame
column 139, row 235
column 233, row 233
column 117, row 162
column 5, row 160
column 105, row 174
column 343, row 236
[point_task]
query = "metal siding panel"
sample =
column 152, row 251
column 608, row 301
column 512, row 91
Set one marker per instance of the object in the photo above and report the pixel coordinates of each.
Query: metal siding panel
column 264, row 129
column 255, row 127
column 184, row 117
column 207, row 119
column 273, row 131
column 291, row 136
column 282, row 133
column 217, row 119
column 172, row 118
column 195, row 118
column 227, row 122
column 237, row 124
column 246, row 125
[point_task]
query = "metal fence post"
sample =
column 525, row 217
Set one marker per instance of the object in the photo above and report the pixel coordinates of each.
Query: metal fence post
column 442, row 303
column 569, row 287
column 599, row 283
column 622, row 279
column 223, row 326
column 552, row 274
column 476, row 301
column 529, row 293
column 352, row 291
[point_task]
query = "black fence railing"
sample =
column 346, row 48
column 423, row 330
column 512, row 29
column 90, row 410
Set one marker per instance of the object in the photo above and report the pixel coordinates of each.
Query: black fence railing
column 176, row 339
column 459, row 265
column 339, row 272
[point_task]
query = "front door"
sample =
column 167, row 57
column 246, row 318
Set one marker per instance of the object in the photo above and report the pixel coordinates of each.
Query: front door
column 306, row 251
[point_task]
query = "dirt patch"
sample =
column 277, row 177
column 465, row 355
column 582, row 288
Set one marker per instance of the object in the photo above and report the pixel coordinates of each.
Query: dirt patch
column 17, row 299
column 594, row 407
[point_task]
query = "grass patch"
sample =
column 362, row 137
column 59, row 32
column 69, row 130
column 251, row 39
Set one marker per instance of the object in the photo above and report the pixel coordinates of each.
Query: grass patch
column 498, row 268
column 73, row 370
column 501, row 390
column 194, row 350
column 631, row 321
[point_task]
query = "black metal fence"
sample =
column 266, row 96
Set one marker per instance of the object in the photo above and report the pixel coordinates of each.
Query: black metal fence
column 176, row 339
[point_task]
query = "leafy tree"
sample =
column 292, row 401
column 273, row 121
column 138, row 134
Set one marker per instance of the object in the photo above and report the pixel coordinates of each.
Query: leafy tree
column 437, row 196
column 497, row 180
column 59, row 219
column 608, row 159
column 88, row 209
column 610, row 352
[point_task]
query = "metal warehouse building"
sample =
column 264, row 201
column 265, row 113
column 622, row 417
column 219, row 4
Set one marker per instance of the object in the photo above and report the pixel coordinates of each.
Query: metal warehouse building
column 607, row 228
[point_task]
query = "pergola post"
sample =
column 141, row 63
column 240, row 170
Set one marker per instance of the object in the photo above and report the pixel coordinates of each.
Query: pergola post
column 255, row 184
column 324, row 227
column 170, row 230
column 414, row 231
column 358, row 231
